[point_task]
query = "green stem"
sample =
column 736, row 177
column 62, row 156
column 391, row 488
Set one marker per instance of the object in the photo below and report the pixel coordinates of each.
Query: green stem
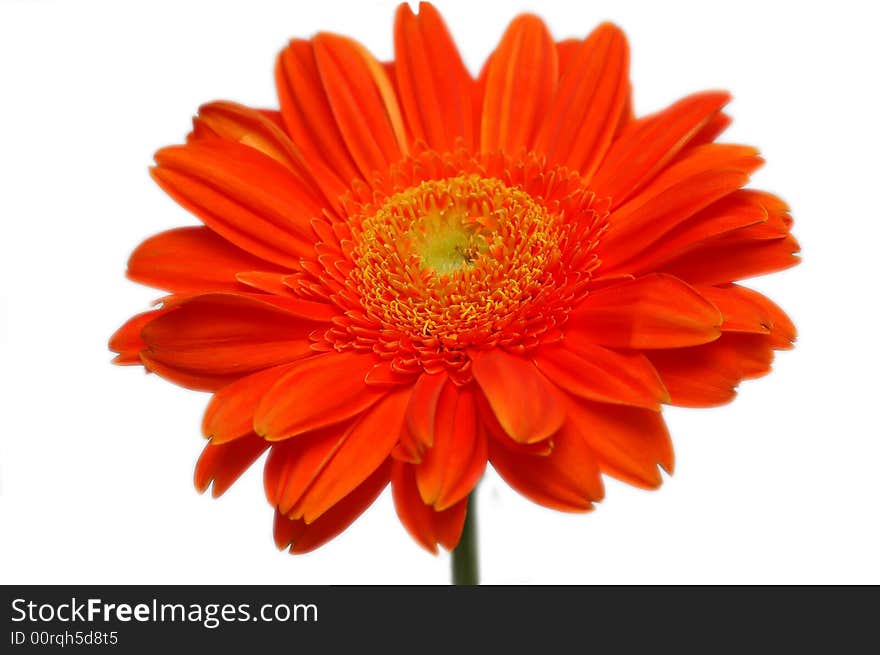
column 465, row 569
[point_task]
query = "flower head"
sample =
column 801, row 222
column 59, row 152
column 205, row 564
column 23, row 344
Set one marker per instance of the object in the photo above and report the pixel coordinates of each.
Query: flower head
column 407, row 273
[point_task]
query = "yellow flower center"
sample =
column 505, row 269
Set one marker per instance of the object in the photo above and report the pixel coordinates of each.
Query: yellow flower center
column 455, row 260
column 447, row 254
column 445, row 240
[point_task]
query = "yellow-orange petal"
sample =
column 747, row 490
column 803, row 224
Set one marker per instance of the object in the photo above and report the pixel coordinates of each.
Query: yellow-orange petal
column 224, row 334
column 223, row 464
column 531, row 409
column 435, row 87
column 588, row 105
column 230, row 414
column 590, row 371
column 629, row 443
column 566, row 479
column 520, row 82
column 427, row 526
column 321, row 390
column 363, row 103
column 192, row 259
column 302, row 537
column 456, row 459
column 654, row 311
column 364, row 447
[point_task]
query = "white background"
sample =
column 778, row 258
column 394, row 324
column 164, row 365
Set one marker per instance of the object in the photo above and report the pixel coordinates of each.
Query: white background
column 96, row 461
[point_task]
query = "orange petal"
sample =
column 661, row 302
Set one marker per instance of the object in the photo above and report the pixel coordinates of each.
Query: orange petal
column 596, row 373
column 654, row 311
column 408, row 449
column 303, row 537
column 711, row 131
column 421, row 415
column 435, row 87
column 190, row 259
column 294, row 464
column 706, row 175
column 224, row 463
column 196, row 381
column 363, row 103
column 754, row 354
column 530, row 410
column 628, row 442
column 319, row 391
column 707, row 375
column 494, row 430
column 587, row 108
column 244, row 196
column 740, row 209
column 782, row 330
column 273, row 115
column 286, row 531
column 520, row 82
column 449, row 523
column 565, row 52
column 385, row 374
column 744, row 310
column 427, row 526
column 309, row 119
column 250, row 127
column 366, row 444
column 230, row 414
column 127, row 340
column 719, row 262
column 650, row 143
column 455, row 462
column 478, row 95
column 566, row 479
column 264, row 281
column 222, row 334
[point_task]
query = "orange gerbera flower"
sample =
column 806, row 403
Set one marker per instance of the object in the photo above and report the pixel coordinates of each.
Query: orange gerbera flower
column 407, row 273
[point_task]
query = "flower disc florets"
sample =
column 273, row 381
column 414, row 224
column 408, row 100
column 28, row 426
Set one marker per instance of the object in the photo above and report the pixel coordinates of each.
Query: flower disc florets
column 495, row 255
